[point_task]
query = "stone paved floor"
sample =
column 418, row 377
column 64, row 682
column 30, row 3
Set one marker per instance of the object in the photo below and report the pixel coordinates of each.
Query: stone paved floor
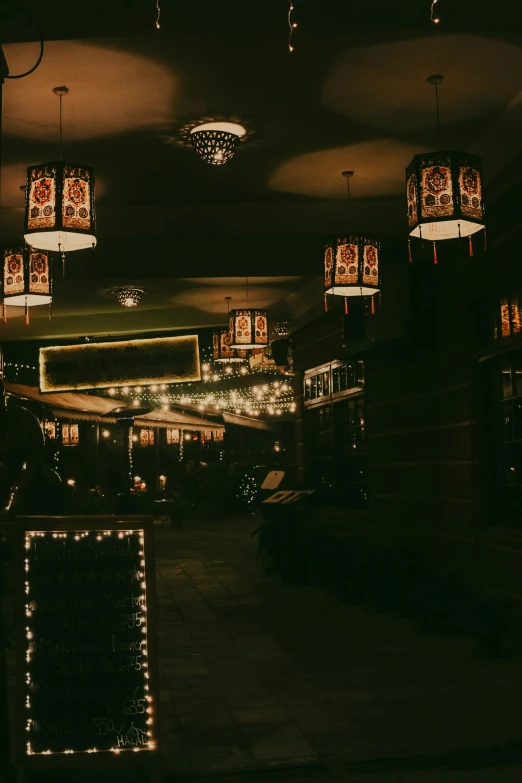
column 257, row 675
column 255, row 672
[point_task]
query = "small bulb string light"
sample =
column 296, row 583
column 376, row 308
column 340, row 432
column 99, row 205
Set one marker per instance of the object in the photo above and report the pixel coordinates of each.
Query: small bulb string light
column 291, row 26
column 434, row 19
column 149, row 742
column 158, row 14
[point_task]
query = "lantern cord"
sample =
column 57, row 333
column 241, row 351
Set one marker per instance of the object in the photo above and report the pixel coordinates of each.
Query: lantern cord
column 4, row 312
column 470, row 246
column 435, row 259
column 439, row 131
column 61, row 136
column 346, row 305
column 420, row 236
column 349, row 200
column 409, row 250
column 51, row 310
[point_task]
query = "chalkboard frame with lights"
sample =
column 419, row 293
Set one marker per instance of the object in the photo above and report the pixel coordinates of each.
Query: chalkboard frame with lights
column 99, row 538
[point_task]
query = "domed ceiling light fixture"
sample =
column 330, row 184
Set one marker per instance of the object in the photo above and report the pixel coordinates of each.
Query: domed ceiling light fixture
column 351, row 264
column 59, row 203
column 221, row 350
column 26, row 279
column 216, row 142
column 248, row 327
column 128, row 297
column 444, row 192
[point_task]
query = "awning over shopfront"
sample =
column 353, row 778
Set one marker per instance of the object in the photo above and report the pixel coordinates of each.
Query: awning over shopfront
column 249, row 421
column 84, row 407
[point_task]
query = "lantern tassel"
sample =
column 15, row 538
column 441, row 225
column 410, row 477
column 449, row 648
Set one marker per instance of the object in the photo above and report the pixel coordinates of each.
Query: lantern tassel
column 373, row 305
column 4, row 309
column 325, row 303
column 485, row 241
column 51, row 310
column 409, row 250
column 26, row 312
column 420, row 235
column 470, row 246
column 63, row 264
column 346, row 305
column 435, row 259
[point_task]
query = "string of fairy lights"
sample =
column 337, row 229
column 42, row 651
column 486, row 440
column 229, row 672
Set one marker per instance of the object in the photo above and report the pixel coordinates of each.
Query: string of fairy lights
column 433, row 18
column 270, row 398
column 223, row 387
column 291, row 26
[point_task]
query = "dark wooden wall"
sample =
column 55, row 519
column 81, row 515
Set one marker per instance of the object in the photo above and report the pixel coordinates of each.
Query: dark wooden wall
column 428, row 414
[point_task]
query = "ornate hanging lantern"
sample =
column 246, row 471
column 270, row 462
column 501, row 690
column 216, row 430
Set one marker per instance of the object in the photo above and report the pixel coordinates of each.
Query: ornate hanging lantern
column 59, row 203
column 216, row 142
column 221, row 344
column 249, row 329
column 351, row 264
column 221, row 350
column 444, row 193
column 27, row 279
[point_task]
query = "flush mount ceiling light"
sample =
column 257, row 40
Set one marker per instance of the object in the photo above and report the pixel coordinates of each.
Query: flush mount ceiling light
column 128, row 297
column 216, row 142
column 59, row 203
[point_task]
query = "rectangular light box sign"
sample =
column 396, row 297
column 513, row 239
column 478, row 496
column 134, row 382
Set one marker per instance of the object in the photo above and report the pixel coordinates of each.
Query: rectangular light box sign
column 130, row 362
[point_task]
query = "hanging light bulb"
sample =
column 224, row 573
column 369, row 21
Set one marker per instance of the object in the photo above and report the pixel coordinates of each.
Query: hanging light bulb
column 59, row 203
column 26, row 280
column 216, row 142
column 351, row 263
column 444, row 191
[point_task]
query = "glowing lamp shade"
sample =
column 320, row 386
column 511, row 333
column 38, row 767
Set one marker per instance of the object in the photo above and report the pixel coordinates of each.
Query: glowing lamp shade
column 351, row 266
column 444, row 195
column 221, row 350
column 59, row 207
column 248, row 329
column 27, row 279
column 216, row 142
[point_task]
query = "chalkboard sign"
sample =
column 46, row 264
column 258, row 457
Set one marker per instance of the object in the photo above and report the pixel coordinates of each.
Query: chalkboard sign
column 88, row 655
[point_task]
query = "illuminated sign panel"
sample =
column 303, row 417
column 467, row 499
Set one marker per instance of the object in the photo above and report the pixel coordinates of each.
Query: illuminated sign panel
column 89, row 671
column 130, row 362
